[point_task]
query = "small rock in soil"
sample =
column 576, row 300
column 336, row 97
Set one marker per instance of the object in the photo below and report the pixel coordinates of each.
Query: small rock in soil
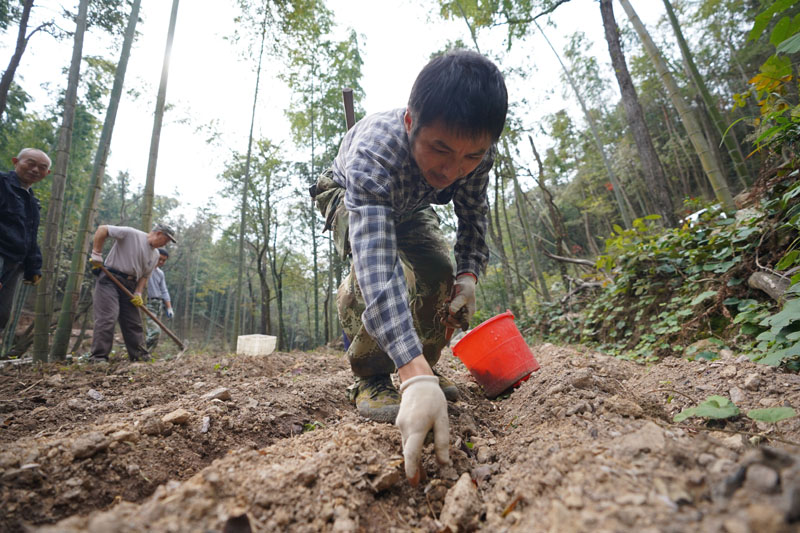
column 206, row 424
column 760, row 478
column 649, row 438
column 737, row 395
column 583, row 379
column 220, row 393
column 178, row 416
column 95, row 395
column 88, row 445
column 752, row 382
column 623, row 406
column 461, row 505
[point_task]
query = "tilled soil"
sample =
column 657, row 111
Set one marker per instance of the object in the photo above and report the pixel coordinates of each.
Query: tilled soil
column 237, row 443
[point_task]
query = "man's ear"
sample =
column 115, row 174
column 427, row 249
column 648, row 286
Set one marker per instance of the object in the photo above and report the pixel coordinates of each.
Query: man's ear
column 14, row 160
column 407, row 120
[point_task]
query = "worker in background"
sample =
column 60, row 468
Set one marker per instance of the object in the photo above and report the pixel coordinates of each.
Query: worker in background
column 20, row 256
column 131, row 259
column 157, row 299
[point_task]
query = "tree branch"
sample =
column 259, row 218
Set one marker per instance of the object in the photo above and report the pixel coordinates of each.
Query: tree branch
column 584, row 262
column 542, row 14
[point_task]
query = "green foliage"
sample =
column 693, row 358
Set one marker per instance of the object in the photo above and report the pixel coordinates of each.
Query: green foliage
column 663, row 290
column 775, row 87
column 771, row 415
column 717, row 407
column 311, row 426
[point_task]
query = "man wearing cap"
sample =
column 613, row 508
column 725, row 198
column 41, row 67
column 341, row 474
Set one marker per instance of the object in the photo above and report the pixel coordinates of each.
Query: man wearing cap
column 131, row 260
column 19, row 223
column 157, row 298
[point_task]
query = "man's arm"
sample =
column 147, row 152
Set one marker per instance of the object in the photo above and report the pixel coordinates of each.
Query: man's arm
column 99, row 239
column 141, row 283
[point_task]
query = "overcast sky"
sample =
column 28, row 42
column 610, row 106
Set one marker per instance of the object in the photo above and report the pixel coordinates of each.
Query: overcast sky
column 211, row 84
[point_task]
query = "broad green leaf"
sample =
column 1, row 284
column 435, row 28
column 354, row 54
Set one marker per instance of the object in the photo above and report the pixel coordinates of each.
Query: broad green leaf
column 788, row 260
column 772, row 414
column 702, row 296
column 777, row 67
column 717, row 407
column 784, row 28
column 789, row 314
column 776, row 358
column 725, row 266
column 790, row 45
column 707, row 355
column 763, row 18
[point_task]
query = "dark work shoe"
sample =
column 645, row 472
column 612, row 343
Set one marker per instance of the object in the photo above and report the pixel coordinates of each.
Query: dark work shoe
column 449, row 388
column 376, row 398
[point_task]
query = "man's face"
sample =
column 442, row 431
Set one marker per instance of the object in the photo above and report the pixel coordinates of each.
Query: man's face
column 161, row 260
column 158, row 239
column 32, row 167
column 442, row 156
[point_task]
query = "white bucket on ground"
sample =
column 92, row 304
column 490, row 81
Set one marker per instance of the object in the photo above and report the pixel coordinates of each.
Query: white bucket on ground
column 255, row 344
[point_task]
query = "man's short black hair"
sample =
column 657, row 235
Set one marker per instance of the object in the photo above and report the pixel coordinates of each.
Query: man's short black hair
column 464, row 90
column 163, row 252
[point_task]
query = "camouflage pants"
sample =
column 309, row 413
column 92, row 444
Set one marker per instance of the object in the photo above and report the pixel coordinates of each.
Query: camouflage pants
column 428, row 269
column 153, row 331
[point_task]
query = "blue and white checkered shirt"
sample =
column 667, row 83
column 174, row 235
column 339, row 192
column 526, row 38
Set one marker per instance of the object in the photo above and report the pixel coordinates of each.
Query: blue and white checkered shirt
column 382, row 183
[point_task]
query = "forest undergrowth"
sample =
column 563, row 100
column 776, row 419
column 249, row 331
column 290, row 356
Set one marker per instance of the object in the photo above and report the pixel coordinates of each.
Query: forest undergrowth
column 692, row 290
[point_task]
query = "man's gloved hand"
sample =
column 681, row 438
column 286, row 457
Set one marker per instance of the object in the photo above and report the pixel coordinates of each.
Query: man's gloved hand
column 463, row 297
column 96, row 259
column 137, row 300
column 34, row 280
column 422, row 407
column 170, row 312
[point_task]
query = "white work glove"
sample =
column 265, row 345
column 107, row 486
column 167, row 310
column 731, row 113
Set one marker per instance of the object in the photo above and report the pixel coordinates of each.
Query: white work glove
column 97, row 259
column 463, row 296
column 170, row 312
column 422, row 407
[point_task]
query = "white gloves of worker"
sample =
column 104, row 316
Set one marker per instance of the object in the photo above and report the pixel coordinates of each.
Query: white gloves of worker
column 464, row 295
column 170, row 312
column 97, row 259
column 422, row 407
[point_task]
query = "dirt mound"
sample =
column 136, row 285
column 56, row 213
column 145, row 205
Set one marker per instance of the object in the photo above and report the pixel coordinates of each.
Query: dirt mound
column 225, row 443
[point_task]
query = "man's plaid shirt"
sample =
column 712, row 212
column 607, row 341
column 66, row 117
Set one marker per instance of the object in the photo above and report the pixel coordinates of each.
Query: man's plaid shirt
column 382, row 183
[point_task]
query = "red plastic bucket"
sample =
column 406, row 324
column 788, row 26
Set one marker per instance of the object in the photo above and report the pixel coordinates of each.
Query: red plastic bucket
column 496, row 355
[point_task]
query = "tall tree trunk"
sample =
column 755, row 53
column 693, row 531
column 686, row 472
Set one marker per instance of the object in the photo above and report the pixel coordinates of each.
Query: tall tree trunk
column 78, row 266
column 45, row 293
column 612, row 177
column 514, row 256
column 730, row 142
column 497, row 237
column 19, row 49
column 246, row 188
column 149, row 188
column 700, row 143
column 555, row 216
column 533, row 248
column 226, row 336
column 264, row 286
column 653, row 171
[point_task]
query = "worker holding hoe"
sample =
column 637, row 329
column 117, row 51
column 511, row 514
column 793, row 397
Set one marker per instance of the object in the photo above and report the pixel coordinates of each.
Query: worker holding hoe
column 131, row 259
column 401, row 294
